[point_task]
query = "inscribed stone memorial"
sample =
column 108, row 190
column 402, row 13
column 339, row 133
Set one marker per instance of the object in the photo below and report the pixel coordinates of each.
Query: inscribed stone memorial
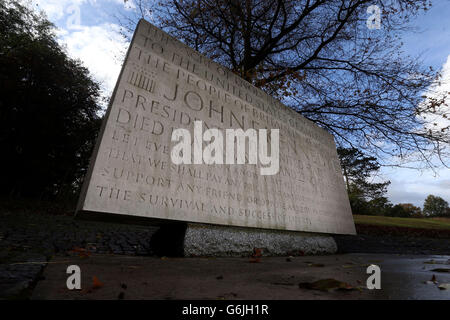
column 165, row 85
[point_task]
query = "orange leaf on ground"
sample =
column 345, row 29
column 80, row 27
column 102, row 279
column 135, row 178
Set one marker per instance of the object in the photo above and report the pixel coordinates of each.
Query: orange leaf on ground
column 256, row 255
column 326, row 285
column 96, row 284
column 83, row 253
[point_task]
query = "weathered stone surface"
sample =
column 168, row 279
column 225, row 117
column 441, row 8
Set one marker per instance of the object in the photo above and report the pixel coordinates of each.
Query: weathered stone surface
column 165, row 85
column 207, row 240
column 17, row 273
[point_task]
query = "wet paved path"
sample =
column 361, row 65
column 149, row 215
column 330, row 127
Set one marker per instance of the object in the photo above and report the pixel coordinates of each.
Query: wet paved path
column 29, row 241
column 131, row 277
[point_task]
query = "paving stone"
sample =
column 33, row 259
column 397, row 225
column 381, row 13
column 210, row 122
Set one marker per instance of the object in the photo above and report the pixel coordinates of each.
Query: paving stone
column 35, row 238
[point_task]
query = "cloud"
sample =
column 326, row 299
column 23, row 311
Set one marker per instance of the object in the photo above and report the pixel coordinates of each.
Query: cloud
column 439, row 90
column 444, row 184
column 99, row 46
column 398, row 194
column 57, row 9
column 413, row 186
column 101, row 49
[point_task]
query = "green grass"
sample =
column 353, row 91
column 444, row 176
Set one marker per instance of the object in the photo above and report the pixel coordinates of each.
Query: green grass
column 422, row 223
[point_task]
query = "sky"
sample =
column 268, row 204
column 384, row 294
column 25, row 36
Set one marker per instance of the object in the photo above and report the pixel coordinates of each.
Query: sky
column 90, row 31
column 432, row 42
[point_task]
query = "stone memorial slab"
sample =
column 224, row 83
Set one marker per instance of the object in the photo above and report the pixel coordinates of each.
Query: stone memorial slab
column 165, row 85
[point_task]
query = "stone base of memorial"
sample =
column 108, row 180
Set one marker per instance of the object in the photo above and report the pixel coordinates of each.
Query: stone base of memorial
column 193, row 240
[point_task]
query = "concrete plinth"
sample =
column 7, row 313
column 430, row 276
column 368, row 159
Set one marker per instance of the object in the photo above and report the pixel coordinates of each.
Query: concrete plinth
column 192, row 240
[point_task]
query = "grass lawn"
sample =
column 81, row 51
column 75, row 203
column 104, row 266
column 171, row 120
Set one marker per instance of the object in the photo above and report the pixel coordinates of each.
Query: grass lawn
column 423, row 223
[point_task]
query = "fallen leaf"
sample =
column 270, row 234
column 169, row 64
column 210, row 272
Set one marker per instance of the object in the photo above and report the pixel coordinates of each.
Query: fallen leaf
column 316, row 265
column 254, row 260
column 91, row 247
column 256, row 255
column 326, row 285
column 227, row 296
column 444, row 286
column 282, row 283
column 441, row 270
column 432, row 281
column 83, row 253
column 432, row 261
column 96, row 284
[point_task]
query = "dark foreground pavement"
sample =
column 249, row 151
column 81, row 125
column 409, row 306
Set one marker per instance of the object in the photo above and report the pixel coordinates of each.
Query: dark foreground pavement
column 31, row 246
column 131, row 277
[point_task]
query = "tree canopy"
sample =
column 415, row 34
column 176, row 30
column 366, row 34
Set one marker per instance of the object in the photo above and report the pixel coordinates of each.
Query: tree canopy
column 435, row 206
column 405, row 210
column 320, row 58
column 359, row 171
column 48, row 108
